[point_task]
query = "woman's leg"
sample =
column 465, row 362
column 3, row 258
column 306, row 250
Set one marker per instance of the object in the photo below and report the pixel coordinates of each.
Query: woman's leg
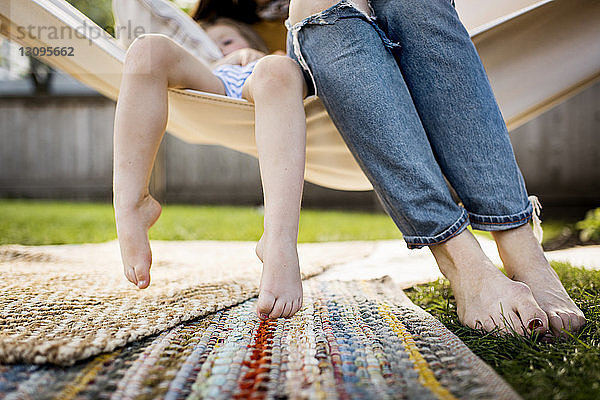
column 153, row 63
column 524, row 261
column 277, row 88
column 361, row 86
column 465, row 127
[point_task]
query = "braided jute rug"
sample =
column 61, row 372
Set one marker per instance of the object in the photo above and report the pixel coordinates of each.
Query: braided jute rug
column 60, row 304
column 350, row 340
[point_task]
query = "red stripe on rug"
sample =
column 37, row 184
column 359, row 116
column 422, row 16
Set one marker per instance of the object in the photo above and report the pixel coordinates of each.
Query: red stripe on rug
column 254, row 382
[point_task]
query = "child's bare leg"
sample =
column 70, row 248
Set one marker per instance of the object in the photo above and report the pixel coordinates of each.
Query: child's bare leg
column 277, row 88
column 153, row 63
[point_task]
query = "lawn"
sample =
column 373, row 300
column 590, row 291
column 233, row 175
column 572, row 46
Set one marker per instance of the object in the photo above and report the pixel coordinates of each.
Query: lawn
column 52, row 222
column 567, row 369
column 40, row 222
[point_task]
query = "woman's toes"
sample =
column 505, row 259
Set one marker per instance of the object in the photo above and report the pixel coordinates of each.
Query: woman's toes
column 487, row 325
column 265, row 304
column 570, row 321
column 566, row 320
column 556, row 324
column 532, row 316
column 516, row 325
column 582, row 320
column 578, row 321
column 537, row 322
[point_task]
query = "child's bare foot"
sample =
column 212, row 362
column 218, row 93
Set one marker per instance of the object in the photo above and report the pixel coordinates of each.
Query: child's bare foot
column 485, row 297
column 524, row 261
column 133, row 223
column 260, row 249
column 280, row 293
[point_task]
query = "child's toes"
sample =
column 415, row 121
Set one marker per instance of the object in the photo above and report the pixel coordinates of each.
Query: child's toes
column 130, row 275
column 278, row 309
column 142, row 274
column 287, row 309
column 265, row 304
column 297, row 304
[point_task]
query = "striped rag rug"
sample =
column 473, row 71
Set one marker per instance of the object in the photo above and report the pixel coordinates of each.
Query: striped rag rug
column 350, row 340
column 60, row 304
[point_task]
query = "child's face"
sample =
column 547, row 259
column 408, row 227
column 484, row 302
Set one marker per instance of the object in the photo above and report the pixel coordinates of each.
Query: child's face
column 227, row 38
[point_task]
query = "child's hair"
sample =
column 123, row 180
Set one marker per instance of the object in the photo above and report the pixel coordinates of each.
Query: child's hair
column 239, row 10
column 254, row 40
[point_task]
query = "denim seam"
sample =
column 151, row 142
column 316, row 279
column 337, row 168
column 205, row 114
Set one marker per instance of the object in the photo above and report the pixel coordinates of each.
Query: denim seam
column 502, row 219
column 456, row 232
column 504, row 222
column 419, row 241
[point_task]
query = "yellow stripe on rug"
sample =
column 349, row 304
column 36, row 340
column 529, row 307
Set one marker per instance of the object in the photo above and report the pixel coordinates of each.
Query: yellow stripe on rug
column 426, row 376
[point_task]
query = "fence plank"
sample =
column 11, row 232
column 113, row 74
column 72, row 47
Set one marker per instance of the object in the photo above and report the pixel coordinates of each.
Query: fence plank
column 62, row 147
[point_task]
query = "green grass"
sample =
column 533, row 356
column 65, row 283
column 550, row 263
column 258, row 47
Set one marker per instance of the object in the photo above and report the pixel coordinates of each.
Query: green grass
column 51, row 222
column 567, row 369
column 553, row 228
column 41, row 222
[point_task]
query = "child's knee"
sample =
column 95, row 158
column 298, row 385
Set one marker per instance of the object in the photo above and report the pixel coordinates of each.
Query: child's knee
column 277, row 73
column 149, row 53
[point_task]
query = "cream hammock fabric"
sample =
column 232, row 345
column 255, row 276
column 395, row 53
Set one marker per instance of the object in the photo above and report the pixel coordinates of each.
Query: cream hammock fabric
column 536, row 53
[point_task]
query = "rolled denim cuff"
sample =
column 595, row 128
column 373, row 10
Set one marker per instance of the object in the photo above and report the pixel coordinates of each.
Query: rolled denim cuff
column 501, row 222
column 416, row 242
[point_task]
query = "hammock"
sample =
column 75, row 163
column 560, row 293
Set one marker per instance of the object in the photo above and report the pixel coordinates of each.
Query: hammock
column 536, row 54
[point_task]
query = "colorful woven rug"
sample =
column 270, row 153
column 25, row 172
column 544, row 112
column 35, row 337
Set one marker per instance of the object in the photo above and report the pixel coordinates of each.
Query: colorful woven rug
column 351, row 340
column 60, row 304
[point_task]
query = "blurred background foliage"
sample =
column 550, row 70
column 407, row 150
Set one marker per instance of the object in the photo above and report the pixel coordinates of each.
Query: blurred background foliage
column 100, row 11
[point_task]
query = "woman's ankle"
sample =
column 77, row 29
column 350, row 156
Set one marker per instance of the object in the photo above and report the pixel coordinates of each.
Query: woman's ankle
column 519, row 250
column 458, row 254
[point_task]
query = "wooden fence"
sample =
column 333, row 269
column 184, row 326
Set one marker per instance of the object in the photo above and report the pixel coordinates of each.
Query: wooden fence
column 61, row 147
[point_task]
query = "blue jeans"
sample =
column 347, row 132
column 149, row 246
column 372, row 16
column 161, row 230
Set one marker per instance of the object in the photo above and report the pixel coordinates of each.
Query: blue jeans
column 408, row 92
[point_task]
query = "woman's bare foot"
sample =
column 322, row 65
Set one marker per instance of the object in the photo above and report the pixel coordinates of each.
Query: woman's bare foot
column 485, row 297
column 133, row 223
column 280, row 292
column 524, row 261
